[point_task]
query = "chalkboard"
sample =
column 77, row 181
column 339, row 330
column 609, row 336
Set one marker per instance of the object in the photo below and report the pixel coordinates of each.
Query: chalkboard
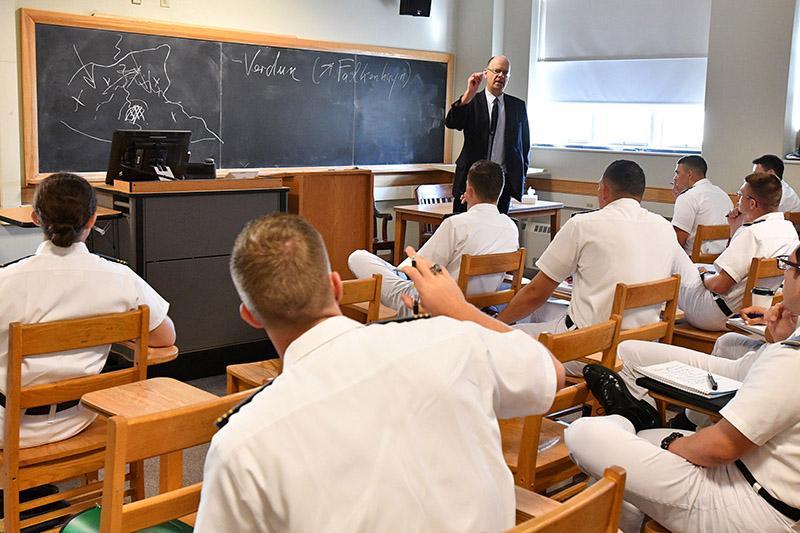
column 250, row 100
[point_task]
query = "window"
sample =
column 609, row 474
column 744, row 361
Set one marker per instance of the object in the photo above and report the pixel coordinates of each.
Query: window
column 620, row 74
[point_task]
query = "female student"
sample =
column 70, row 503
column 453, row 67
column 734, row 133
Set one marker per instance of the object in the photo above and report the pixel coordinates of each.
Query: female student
column 64, row 280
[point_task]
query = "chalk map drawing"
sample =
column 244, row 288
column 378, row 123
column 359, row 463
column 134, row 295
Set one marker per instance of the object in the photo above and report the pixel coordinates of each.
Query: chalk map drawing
column 133, row 88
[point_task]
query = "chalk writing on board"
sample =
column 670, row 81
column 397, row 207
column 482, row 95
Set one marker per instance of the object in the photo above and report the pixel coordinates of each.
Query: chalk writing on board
column 350, row 70
column 272, row 69
column 132, row 89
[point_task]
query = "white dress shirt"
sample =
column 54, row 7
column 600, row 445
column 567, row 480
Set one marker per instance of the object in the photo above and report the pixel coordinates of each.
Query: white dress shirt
column 57, row 284
column 378, row 428
column 768, row 236
column 701, row 204
column 620, row 243
column 789, row 198
column 499, row 146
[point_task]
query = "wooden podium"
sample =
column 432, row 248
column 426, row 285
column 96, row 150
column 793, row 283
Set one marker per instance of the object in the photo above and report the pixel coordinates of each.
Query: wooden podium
column 339, row 204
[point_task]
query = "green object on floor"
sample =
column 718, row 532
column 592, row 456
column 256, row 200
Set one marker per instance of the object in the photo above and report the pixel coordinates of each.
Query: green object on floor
column 88, row 521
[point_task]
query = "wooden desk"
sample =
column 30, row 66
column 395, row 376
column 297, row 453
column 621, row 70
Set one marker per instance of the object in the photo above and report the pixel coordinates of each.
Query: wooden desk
column 532, row 505
column 149, row 397
column 155, row 355
column 435, row 213
column 664, row 394
column 21, row 216
column 246, row 376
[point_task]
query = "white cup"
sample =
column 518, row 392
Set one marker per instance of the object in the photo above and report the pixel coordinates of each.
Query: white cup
column 762, row 297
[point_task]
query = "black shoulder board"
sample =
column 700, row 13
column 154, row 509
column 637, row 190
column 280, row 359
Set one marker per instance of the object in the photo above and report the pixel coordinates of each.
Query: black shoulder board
column 419, row 316
column 112, row 259
column 577, row 213
column 222, row 421
column 792, row 342
column 15, row 261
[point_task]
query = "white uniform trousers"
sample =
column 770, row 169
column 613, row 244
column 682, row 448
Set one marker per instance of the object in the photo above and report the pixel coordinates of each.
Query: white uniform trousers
column 677, row 494
column 735, row 345
column 695, row 300
column 364, row 264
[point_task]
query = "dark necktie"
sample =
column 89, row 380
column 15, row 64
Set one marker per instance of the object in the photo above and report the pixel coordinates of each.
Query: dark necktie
column 493, row 126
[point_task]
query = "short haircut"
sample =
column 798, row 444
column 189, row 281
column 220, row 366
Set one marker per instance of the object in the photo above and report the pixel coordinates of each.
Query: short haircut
column 694, row 162
column 770, row 162
column 766, row 189
column 486, row 178
column 280, row 268
column 64, row 203
column 625, row 178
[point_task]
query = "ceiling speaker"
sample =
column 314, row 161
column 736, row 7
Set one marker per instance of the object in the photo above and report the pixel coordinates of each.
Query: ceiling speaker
column 415, row 8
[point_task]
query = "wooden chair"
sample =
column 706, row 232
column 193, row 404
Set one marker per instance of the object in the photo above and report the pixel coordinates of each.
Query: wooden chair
column 80, row 456
column 479, row 265
column 661, row 292
column 137, row 438
column 380, row 240
column 693, row 338
column 431, row 194
column 595, row 510
column 793, row 217
column 761, row 268
column 708, row 233
column 521, row 437
column 356, row 292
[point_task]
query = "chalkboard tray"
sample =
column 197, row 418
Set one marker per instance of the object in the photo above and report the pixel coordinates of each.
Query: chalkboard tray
column 251, row 100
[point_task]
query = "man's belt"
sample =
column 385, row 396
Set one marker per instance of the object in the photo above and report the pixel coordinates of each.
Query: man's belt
column 42, row 409
column 722, row 305
column 792, row 513
column 569, row 322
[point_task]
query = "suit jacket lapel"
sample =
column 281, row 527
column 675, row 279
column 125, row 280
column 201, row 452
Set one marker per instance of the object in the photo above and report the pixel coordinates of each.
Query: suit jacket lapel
column 510, row 121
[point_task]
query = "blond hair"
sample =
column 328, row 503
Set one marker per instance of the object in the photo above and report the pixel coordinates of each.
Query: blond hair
column 280, row 268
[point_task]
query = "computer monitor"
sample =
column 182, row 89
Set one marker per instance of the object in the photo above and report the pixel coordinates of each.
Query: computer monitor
column 142, row 155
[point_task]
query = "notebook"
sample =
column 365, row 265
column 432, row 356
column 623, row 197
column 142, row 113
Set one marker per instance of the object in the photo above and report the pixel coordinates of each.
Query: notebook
column 690, row 379
column 739, row 324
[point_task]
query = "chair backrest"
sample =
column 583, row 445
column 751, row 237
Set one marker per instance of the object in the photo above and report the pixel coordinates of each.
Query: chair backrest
column 708, row 233
column 595, row 510
column 479, row 265
column 136, row 438
column 434, row 193
column 26, row 340
column 760, row 268
column 567, row 346
column 792, row 216
column 661, row 292
column 366, row 290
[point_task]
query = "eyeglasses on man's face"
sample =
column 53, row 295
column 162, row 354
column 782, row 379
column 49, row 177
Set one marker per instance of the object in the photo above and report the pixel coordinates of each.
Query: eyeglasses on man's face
column 499, row 71
column 784, row 263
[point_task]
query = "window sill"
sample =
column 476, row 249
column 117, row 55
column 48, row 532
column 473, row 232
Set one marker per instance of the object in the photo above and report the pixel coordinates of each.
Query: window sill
column 631, row 151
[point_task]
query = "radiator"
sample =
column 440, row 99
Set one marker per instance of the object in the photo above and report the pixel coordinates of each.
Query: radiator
column 535, row 238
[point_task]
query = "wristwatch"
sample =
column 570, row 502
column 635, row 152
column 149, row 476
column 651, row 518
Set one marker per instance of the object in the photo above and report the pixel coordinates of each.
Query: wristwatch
column 669, row 439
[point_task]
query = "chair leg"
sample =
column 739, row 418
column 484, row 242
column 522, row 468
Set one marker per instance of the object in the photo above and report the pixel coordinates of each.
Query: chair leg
column 137, row 480
column 11, row 506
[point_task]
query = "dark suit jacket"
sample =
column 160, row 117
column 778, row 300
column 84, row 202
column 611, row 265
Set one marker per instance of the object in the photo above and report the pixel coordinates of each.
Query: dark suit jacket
column 473, row 119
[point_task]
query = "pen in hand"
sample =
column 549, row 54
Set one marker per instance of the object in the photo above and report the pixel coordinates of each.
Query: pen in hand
column 712, row 382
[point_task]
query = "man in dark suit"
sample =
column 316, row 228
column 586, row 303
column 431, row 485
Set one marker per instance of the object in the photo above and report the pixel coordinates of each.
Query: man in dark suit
column 495, row 127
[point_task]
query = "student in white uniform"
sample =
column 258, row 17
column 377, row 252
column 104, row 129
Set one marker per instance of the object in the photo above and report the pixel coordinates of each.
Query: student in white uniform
column 481, row 230
column 740, row 474
column 63, row 280
column 621, row 243
column 772, row 164
column 386, row 427
column 697, row 202
column 758, row 230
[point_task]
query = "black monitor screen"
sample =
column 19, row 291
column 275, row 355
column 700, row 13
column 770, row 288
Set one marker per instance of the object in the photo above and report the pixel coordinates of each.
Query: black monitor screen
column 141, row 155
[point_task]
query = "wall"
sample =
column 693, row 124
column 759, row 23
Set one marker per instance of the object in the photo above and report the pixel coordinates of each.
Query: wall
column 372, row 22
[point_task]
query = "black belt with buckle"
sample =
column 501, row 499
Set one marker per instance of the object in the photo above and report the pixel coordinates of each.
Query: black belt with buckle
column 792, row 513
column 723, row 306
column 42, row 409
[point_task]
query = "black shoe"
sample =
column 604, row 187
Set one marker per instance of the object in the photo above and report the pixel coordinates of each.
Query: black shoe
column 681, row 421
column 616, row 399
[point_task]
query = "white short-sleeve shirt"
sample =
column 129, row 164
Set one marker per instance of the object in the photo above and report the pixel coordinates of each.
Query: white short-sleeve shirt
column 701, row 204
column 789, row 198
column 56, row 284
column 378, row 428
column 481, row 230
column 768, row 236
column 620, row 243
column 766, row 410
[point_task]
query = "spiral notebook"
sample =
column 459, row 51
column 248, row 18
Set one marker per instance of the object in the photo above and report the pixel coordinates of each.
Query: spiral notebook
column 690, row 379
